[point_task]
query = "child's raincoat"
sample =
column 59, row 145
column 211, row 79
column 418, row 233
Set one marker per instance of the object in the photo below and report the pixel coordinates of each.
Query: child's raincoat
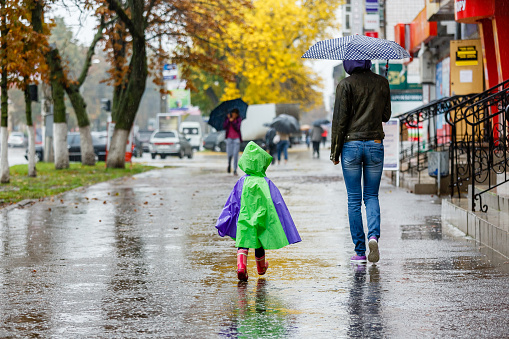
column 255, row 214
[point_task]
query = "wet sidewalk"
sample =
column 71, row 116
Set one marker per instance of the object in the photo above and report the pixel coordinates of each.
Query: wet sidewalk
column 140, row 257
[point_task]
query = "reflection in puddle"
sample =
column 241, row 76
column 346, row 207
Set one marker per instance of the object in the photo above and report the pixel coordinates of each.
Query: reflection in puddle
column 365, row 320
column 258, row 314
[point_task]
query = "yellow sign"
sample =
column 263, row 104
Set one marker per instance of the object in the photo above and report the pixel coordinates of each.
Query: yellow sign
column 466, row 56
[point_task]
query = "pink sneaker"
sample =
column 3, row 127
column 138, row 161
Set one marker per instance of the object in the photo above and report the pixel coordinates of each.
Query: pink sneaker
column 358, row 258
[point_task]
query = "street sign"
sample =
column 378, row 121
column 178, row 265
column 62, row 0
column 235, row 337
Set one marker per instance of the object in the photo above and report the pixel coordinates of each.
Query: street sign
column 170, row 72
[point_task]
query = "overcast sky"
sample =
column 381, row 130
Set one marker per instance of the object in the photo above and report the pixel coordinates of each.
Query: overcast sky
column 83, row 25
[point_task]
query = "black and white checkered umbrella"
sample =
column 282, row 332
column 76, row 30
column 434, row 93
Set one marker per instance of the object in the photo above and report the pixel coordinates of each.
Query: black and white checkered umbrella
column 356, row 47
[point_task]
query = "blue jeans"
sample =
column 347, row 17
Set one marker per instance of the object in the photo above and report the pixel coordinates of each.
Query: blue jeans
column 362, row 161
column 282, row 146
column 232, row 150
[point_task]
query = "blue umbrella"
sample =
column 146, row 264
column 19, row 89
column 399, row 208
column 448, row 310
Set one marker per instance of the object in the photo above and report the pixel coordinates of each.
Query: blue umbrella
column 356, row 47
column 218, row 114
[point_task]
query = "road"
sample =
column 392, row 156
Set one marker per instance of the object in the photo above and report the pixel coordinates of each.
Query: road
column 140, row 257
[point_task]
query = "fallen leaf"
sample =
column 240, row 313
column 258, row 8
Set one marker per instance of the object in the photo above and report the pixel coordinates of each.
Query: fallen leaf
column 145, row 203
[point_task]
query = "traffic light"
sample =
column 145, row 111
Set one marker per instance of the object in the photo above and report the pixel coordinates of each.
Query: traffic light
column 106, row 105
column 32, row 90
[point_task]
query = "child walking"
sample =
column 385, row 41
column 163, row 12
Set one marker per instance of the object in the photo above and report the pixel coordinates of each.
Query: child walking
column 255, row 214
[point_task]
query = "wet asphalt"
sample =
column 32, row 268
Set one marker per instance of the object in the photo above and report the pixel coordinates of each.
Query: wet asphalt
column 140, row 258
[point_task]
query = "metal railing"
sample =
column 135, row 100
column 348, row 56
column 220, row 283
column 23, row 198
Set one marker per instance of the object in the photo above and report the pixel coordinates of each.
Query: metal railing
column 414, row 153
column 478, row 148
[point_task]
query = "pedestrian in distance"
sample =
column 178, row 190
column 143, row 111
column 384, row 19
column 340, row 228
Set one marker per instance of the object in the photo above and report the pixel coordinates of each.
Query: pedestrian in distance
column 324, row 137
column 362, row 103
column 233, row 138
column 282, row 146
column 255, row 214
column 271, row 144
column 308, row 138
column 316, row 138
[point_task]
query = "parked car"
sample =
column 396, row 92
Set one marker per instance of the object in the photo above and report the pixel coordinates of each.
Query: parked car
column 144, row 137
column 170, row 143
column 17, row 139
column 215, row 141
column 73, row 143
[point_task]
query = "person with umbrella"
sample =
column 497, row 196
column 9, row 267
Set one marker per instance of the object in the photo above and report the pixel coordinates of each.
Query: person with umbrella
column 284, row 124
column 233, row 138
column 362, row 103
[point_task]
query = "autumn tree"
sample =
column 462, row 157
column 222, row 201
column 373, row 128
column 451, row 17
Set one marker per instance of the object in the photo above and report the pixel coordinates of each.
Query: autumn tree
column 20, row 51
column 62, row 83
column 134, row 50
column 265, row 52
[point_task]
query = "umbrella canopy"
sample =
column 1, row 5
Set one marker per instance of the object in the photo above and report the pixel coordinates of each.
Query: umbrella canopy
column 218, row 114
column 321, row 122
column 356, row 47
column 285, row 123
column 305, row 127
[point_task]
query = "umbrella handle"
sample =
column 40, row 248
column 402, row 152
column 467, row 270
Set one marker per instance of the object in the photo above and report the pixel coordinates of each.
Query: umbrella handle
column 386, row 67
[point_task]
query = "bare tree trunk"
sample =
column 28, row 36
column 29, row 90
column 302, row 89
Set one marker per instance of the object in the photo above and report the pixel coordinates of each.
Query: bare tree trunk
column 59, row 116
column 32, row 171
column 31, row 133
column 125, row 105
column 5, row 175
column 87, row 146
column 60, row 145
column 117, row 148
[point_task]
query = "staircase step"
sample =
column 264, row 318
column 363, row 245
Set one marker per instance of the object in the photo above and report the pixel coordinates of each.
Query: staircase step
column 491, row 229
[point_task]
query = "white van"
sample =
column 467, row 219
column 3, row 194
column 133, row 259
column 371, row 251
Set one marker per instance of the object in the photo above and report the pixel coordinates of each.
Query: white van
column 192, row 131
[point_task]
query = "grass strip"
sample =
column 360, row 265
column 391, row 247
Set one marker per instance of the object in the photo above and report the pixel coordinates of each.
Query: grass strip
column 50, row 181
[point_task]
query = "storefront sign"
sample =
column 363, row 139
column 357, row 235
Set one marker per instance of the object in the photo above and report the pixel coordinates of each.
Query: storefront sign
column 406, row 97
column 422, row 31
column 469, row 11
column 391, row 145
column 398, row 78
column 371, row 21
column 371, row 6
column 466, row 56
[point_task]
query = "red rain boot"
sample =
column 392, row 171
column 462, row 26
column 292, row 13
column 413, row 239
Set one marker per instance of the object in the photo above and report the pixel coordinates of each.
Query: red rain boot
column 242, row 264
column 261, row 265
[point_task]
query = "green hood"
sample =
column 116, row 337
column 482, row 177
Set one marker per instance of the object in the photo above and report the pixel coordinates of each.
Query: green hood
column 254, row 160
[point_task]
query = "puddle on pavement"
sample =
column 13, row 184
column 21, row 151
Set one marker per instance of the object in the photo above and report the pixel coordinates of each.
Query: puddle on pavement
column 430, row 230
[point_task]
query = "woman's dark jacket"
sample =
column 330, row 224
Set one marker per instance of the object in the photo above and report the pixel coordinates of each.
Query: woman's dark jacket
column 363, row 101
column 235, row 124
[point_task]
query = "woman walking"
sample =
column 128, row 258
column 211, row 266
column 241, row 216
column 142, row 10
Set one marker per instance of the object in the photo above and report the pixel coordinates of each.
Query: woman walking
column 233, row 138
column 362, row 104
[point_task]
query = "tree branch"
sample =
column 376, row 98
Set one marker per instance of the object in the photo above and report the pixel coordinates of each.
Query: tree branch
column 90, row 53
column 114, row 5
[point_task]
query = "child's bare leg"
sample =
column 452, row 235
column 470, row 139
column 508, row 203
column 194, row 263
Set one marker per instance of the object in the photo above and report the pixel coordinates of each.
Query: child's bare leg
column 261, row 264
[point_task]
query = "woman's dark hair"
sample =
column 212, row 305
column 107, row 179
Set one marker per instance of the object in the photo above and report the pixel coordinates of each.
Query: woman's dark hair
column 235, row 110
